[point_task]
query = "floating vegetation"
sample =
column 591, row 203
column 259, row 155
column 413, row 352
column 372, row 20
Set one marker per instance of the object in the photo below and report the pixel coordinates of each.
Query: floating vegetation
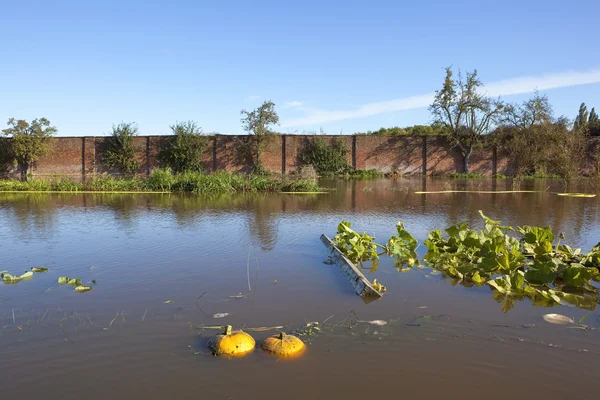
column 220, row 315
column 586, row 195
column 79, row 286
column 481, row 191
column 360, row 247
column 12, row 279
column 39, row 269
column 516, row 263
column 379, row 287
column 311, row 328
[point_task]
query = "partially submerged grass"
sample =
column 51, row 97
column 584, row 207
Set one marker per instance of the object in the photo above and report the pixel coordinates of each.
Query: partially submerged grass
column 164, row 180
column 364, row 174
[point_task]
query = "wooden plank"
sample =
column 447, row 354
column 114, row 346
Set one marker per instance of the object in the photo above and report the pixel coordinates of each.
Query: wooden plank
column 359, row 282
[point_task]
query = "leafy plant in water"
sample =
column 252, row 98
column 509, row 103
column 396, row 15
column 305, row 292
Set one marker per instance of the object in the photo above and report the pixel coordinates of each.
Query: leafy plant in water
column 402, row 247
column 531, row 266
column 358, row 247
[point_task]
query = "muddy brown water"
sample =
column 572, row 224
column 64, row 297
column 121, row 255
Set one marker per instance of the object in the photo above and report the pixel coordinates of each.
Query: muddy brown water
column 135, row 335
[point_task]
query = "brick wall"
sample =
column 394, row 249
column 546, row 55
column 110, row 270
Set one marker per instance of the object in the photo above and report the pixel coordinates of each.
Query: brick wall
column 408, row 155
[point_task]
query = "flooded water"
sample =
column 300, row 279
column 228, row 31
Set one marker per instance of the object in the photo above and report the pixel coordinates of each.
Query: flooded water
column 164, row 264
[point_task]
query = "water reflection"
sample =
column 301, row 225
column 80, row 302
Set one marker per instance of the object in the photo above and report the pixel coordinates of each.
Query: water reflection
column 577, row 217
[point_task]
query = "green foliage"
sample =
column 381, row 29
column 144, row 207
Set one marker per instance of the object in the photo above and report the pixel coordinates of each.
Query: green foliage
column 6, row 154
column 393, row 131
column 462, row 175
column 186, row 148
column 257, row 124
column 29, row 141
column 364, row 174
column 107, row 183
column 326, row 158
column 402, row 247
column 537, row 142
column 591, row 125
column 161, row 180
column 426, row 130
column 465, row 113
column 120, row 151
column 301, row 185
column 415, row 130
column 529, row 266
column 581, row 120
column 358, row 247
column 164, row 180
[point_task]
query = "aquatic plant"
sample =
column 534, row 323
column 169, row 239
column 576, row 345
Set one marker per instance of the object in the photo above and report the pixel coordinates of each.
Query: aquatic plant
column 164, row 180
column 516, row 263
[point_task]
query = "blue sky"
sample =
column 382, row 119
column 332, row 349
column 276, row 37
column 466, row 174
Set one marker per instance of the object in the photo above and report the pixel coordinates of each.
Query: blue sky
column 343, row 66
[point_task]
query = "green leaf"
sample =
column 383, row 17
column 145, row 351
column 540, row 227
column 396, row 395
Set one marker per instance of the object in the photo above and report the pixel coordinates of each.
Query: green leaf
column 39, row 269
column 27, row 275
column 477, row 278
column 62, row 280
column 75, row 282
column 8, row 278
column 541, row 273
column 82, row 288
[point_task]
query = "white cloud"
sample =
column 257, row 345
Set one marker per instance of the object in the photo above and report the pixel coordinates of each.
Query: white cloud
column 506, row 87
column 293, row 104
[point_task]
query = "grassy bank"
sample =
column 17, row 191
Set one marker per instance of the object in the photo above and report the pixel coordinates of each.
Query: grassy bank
column 163, row 180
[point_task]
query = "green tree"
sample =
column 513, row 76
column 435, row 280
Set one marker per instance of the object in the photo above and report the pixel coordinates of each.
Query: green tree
column 186, row 147
column 120, row 150
column 581, row 120
column 593, row 116
column 594, row 123
column 257, row 124
column 29, row 141
column 466, row 114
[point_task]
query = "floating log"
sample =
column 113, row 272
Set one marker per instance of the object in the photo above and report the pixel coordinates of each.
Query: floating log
column 361, row 284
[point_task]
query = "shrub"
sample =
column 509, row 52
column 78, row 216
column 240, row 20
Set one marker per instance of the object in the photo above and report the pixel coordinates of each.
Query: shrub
column 161, row 179
column 186, row 148
column 120, row 151
column 327, row 159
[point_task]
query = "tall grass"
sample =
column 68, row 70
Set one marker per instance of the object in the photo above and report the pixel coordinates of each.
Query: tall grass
column 164, row 180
